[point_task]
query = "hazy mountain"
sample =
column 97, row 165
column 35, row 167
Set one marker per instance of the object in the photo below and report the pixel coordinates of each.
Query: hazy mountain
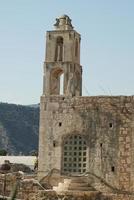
column 19, row 128
column 34, row 105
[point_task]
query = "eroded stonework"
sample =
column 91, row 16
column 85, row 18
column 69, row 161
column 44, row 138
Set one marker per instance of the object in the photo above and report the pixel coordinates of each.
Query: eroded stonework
column 82, row 136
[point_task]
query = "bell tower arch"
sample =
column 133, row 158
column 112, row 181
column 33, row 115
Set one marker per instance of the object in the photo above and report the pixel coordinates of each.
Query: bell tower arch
column 62, row 57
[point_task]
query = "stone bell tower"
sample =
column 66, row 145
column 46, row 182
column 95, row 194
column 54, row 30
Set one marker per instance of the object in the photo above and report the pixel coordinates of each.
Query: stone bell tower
column 62, row 71
column 62, row 60
column 81, row 137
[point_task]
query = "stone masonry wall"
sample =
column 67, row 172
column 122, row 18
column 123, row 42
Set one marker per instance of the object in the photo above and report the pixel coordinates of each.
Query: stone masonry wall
column 106, row 123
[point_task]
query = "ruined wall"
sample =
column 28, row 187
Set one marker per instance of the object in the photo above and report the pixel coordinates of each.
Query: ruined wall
column 29, row 189
column 107, row 123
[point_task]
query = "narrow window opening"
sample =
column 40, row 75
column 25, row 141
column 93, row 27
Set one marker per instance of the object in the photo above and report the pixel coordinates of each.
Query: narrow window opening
column 112, row 168
column 60, row 124
column 49, row 36
column 54, row 143
column 62, row 84
column 100, row 144
column 59, row 49
column 111, row 125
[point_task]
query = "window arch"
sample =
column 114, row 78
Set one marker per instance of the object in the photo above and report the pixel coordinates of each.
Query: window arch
column 74, row 154
column 57, row 82
column 59, row 49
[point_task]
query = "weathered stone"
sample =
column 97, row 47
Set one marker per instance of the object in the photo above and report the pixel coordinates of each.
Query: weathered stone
column 70, row 123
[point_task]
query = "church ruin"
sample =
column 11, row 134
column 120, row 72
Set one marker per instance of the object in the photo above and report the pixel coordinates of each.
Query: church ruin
column 82, row 136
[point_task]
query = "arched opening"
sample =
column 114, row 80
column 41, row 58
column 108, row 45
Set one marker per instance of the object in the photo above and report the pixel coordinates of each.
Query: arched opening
column 74, row 155
column 59, row 49
column 57, row 82
column 61, row 84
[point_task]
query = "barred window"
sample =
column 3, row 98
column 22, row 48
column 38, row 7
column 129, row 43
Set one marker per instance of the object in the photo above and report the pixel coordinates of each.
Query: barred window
column 75, row 154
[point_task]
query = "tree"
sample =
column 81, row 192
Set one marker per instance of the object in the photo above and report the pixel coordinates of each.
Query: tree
column 33, row 153
column 3, row 152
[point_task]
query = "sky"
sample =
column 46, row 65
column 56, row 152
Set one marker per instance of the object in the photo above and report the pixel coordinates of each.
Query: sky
column 107, row 46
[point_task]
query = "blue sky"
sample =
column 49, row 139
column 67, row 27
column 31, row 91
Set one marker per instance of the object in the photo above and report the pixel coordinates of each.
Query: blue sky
column 107, row 46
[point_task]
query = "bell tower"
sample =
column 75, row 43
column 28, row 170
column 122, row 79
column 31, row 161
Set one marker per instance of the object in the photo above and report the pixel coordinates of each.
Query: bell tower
column 62, row 70
column 62, row 83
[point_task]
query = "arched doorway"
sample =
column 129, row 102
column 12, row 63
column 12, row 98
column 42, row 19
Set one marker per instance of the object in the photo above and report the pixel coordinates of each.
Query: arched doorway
column 59, row 49
column 74, row 155
column 57, row 82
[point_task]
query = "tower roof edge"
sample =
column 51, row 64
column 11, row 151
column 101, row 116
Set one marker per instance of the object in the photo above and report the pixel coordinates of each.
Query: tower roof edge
column 63, row 23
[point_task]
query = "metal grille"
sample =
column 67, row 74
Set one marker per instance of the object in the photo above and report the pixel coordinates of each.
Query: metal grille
column 74, row 154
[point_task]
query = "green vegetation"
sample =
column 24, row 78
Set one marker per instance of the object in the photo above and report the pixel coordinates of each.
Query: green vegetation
column 20, row 124
column 3, row 152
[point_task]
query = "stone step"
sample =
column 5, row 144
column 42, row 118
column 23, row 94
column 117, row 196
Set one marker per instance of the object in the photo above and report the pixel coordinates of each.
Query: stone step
column 67, row 180
column 79, row 193
column 77, row 177
column 78, row 180
column 55, row 188
column 61, row 184
column 82, row 184
column 81, row 188
column 74, row 184
column 61, row 187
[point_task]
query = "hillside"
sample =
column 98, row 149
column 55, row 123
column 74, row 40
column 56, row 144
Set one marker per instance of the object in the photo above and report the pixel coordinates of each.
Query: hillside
column 18, row 128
